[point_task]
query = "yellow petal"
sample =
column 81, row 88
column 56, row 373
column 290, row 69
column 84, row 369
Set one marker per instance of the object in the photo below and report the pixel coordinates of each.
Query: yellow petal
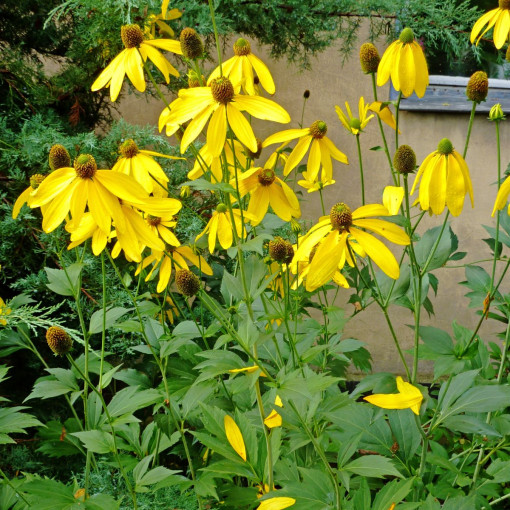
column 122, row 186
column 297, row 154
column 406, row 70
column 262, row 108
column 465, row 172
column 333, row 151
column 325, row 261
column 266, row 80
column 273, row 419
column 106, row 75
column 455, row 188
column 241, row 127
column 392, row 198
column 385, row 229
column 53, row 184
column 278, row 503
column 195, row 127
column 434, row 182
column 22, row 199
column 234, row 437
column 369, row 210
column 217, row 131
column 501, row 28
column 58, row 209
column 134, row 68
column 259, row 204
column 118, row 76
column 165, row 44
column 421, row 70
column 285, row 136
column 387, row 63
column 97, row 208
column 314, row 160
column 224, row 231
column 490, row 16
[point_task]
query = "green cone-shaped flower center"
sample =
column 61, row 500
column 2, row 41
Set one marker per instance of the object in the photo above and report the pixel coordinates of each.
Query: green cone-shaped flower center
column 222, row 90
column 445, row 146
column 221, row 208
column 129, row 149
column 355, row 123
column 266, row 177
column 318, row 129
column 340, row 216
column 85, row 166
column 242, row 47
column 131, row 35
column 406, row 36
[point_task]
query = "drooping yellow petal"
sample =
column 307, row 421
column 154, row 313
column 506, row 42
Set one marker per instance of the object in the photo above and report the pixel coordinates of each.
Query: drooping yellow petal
column 285, row 136
column 385, row 229
column 52, row 185
column 387, row 63
column 325, row 261
column 297, row 154
column 369, row 210
column 406, row 70
column 421, row 81
column 409, row 397
column 278, row 503
column 266, row 80
column 314, row 160
column 22, row 199
column 234, row 437
column 262, row 108
column 134, row 68
column 58, row 209
column 241, row 127
column 455, row 188
column 259, row 204
column 196, row 125
column 489, row 17
column 333, row 151
column 465, row 172
column 436, row 184
column 165, row 44
column 217, row 131
column 224, row 231
column 392, row 198
column 502, row 196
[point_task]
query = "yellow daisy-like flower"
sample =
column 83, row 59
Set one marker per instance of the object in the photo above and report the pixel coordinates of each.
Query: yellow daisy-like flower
column 140, row 164
column 408, row 397
column 161, row 226
column 321, row 151
column 240, row 69
column 384, row 113
column 158, row 20
column 266, row 189
column 223, row 104
column 498, row 18
column 339, row 234
column 405, row 63
column 314, row 185
column 4, row 311
column 354, row 125
column 179, row 256
column 27, row 196
column 220, row 226
column 73, row 189
column 445, row 180
column 131, row 59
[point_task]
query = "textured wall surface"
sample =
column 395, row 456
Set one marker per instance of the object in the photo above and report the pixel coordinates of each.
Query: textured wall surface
column 331, row 83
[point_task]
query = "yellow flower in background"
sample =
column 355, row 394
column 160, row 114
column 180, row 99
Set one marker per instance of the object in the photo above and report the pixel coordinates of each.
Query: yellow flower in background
column 161, row 226
column 444, row 179
column 223, row 104
column 267, row 190
column 220, row 226
column 384, row 113
column 408, row 397
column 140, row 164
column 273, row 419
column 179, row 257
column 405, row 63
column 158, row 20
column 392, row 198
column 234, row 437
column 354, row 124
column 131, row 59
column 315, row 185
column 3, row 311
column 322, row 149
column 27, row 196
column 498, row 18
column 340, row 233
column 278, row 503
column 240, row 69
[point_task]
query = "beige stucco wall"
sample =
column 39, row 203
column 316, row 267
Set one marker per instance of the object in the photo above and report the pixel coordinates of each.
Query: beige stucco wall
column 331, row 84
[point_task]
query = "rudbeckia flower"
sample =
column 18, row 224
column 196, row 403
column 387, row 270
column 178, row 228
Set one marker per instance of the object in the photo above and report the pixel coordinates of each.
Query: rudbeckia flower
column 130, row 61
column 27, row 196
column 405, row 63
column 240, row 69
column 341, row 230
column 392, row 198
column 266, row 189
column 408, row 397
column 180, row 256
column 159, row 20
column 220, row 226
column 314, row 185
column 354, row 124
column 223, row 104
column 321, row 151
column 384, row 113
column 234, row 436
column 444, row 180
column 498, row 18
column 140, row 164
column 161, row 225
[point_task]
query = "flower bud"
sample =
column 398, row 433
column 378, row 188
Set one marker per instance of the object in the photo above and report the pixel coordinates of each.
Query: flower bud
column 187, row 282
column 59, row 157
column 191, row 44
column 58, row 340
column 477, row 87
column 369, row 58
column 404, row 160
column 281, row 250
column 496, row 113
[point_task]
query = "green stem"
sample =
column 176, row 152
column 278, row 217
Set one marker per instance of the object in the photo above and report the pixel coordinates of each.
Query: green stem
column 362, row 179
column 8, row 482
column 436, row 244
column 322, row 202
column 470, row 125
column 397, row 118
column 496, row 240
column 103, row 332
column 216, row 38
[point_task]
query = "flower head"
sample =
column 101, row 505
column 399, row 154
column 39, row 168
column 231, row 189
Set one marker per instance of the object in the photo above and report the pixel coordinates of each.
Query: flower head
column 240, row 69
column 498, row 18
column 322, row 149
column 191, row 44
column 131, row 60
column 354, row 124
column 405, row 63
column 187, row 282
column 338, row 237
column 408, row 397
column 477, row 87
column 404, row 160
column 445, row 180
column 384, row 113
column 58, row 340
column 58, row 157
column 281, row 250
column 369, row 58
column 496, row 113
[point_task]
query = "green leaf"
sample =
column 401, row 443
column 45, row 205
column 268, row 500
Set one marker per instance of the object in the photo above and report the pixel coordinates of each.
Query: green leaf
column 204, row 185
column 499, row 470
column 392, row 492
column 470, row 425
column 64, row 282
column 57, row 439
column 133, row 377
column 405, row 430
column 112, row 316
column 374, row 466
column 48, row 388
column 186, row 329
column 49, row 495
column 132, row 399
column 12, row 421
column 423, row 248
column 97, row 441
column 459, row 384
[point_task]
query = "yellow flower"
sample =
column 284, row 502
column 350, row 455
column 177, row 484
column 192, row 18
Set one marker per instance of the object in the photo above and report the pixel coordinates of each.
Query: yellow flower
column 278, row 503
column 179, row 256
column 161, row 225
column 141, row 165
column 3, row 311
column 72, row 189
column 240, row 69
column 314, row 185
column 274, row 419
column 498, row 18
column 223, row 104
column 321, row 151
column 405, row 63
column 444, row 180
column 384, row 113
column 392, row 198
column 27, row 196
column 408, row 397
column 234, row 437
column 354, row 124
column 159, row 20
column 131, row 59
column 172, row 310
column 502, row 197
column 267, row 189
column 339, row 234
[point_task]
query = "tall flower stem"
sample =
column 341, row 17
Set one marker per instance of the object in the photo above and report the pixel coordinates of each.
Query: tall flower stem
column 103, row 332
column 470, row 125
column 496, row 240
column 397, row 118
column 362, row 179
column 216, row 38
